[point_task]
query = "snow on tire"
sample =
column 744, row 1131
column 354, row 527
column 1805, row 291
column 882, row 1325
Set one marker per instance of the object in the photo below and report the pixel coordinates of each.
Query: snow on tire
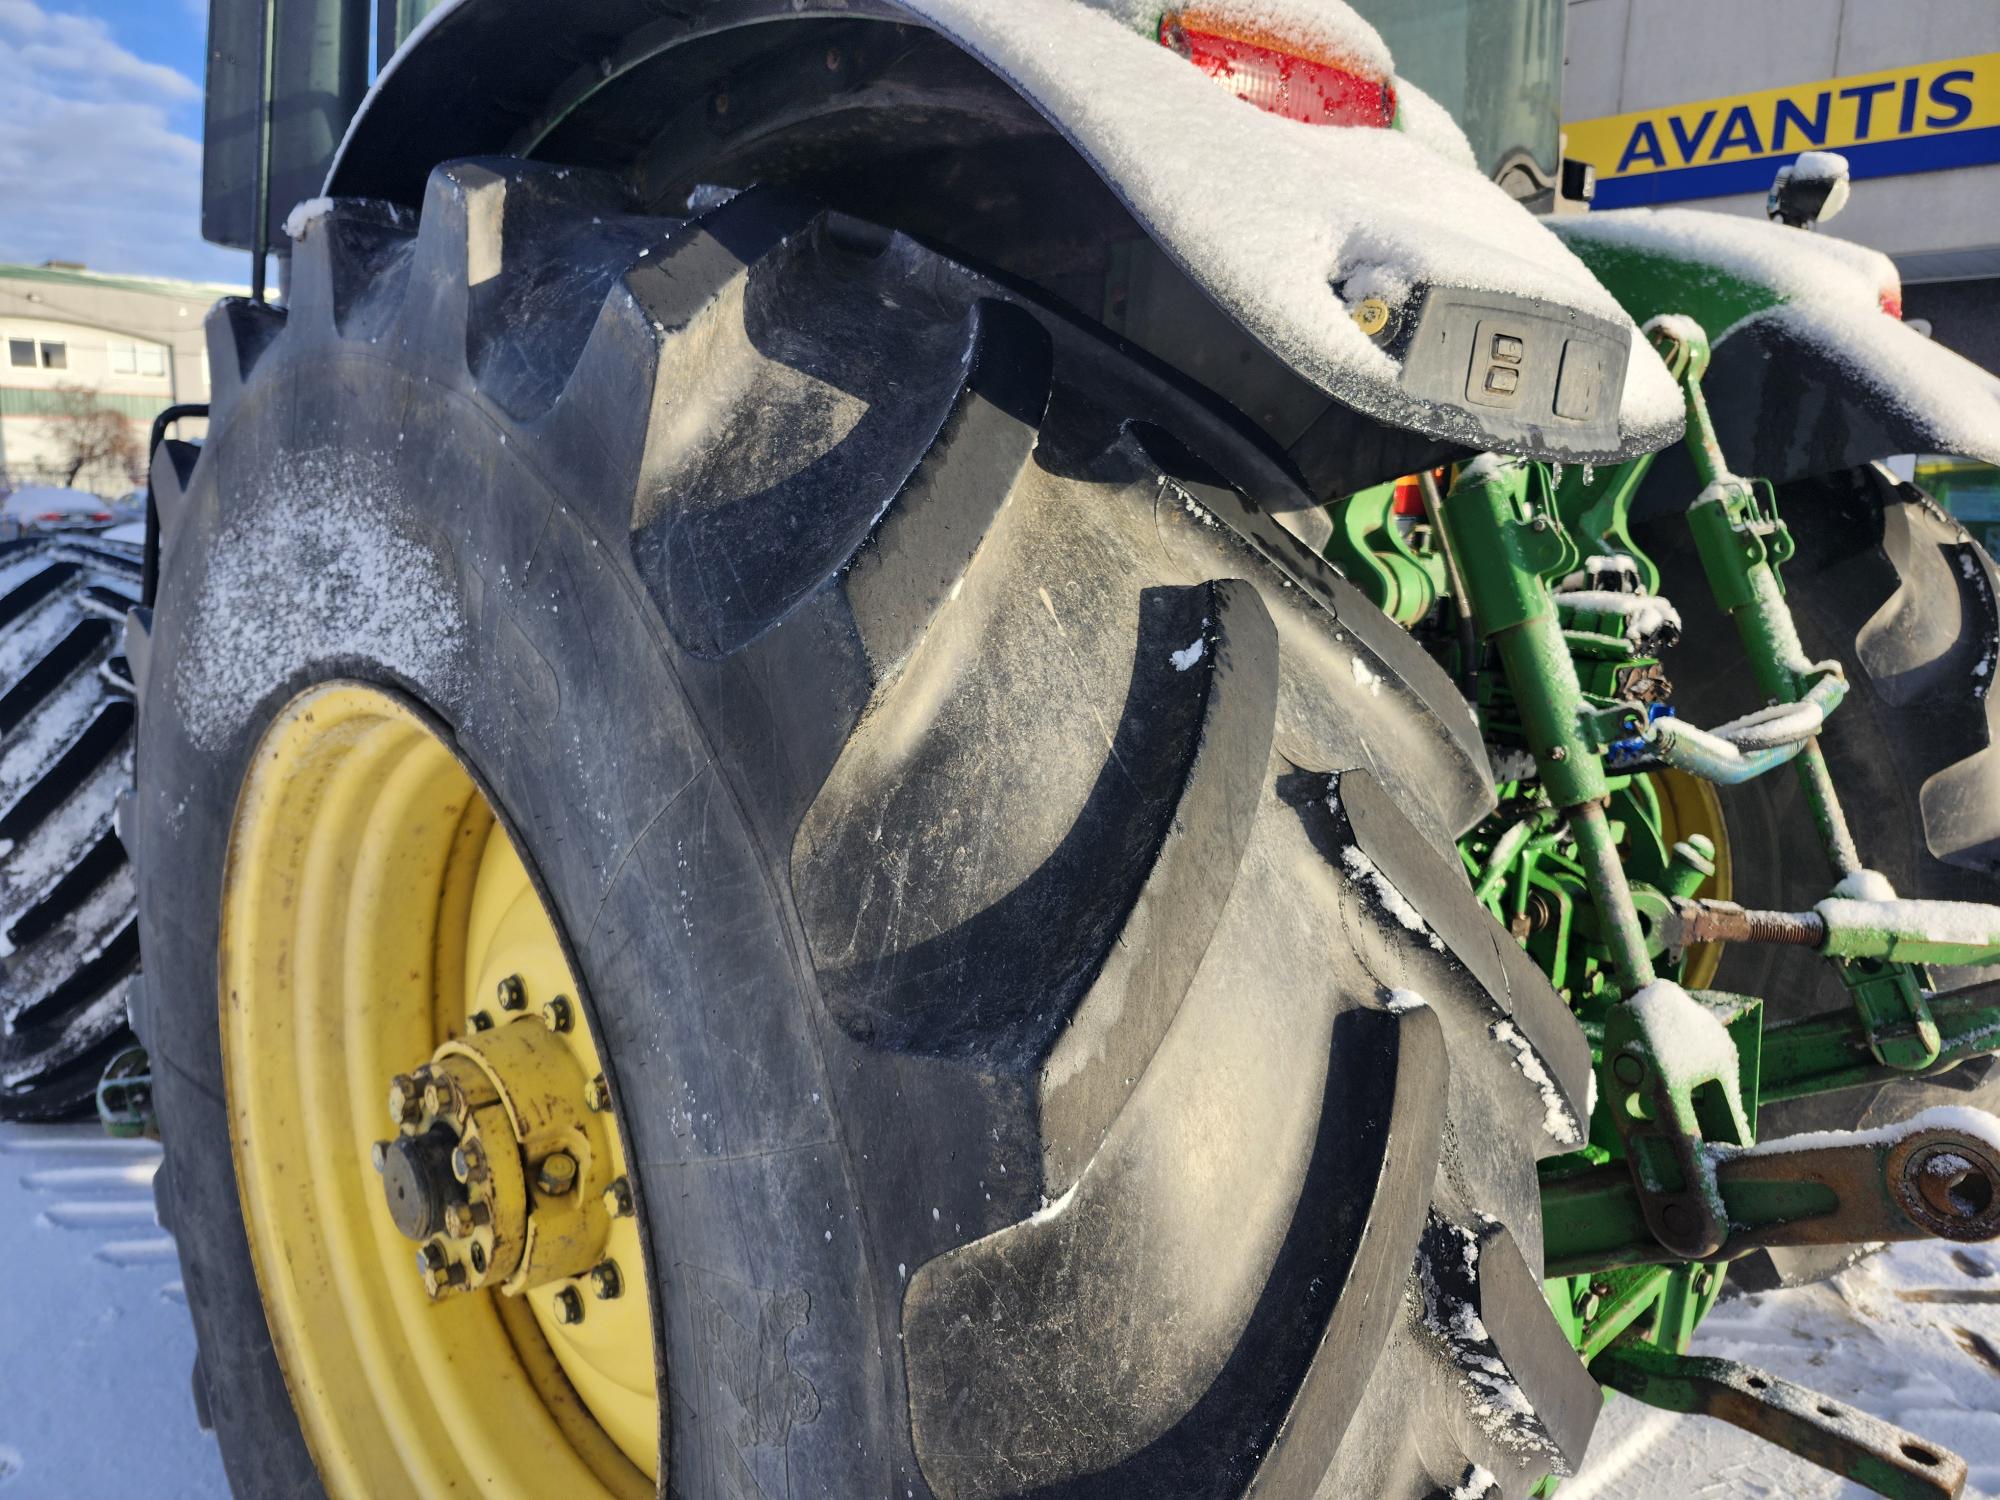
column 68, row 935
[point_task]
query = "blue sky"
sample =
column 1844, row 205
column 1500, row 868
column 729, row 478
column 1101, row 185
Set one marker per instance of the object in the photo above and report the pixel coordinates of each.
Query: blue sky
column 100, row 137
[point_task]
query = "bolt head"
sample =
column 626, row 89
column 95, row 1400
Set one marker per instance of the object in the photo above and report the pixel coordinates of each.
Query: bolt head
column 597, row 1094
column 605, row 1280
column 482, row 1020
column 378, row 1154
column 569, row 1306
column 1559, row 754
column 618, row 1198
column 458, row 1220
column 556, row 1174
column 430, row 1256
column 1628, row 1069
column 559, row 1014
column 511, row 993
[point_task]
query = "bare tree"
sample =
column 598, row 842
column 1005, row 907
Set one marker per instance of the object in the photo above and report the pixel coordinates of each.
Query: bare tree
column 90, row 435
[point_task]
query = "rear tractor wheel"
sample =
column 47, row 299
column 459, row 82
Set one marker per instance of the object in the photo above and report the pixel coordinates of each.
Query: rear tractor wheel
column 907, row 928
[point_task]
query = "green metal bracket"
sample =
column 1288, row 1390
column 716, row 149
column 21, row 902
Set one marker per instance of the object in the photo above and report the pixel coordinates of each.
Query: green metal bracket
column 1674, row 1077
column 1875, row 1454
column 1889, row 998
column 1368, row 546
column 1827, row 1053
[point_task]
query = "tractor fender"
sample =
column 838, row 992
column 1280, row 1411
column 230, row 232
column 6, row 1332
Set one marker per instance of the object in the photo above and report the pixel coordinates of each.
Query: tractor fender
column 1804, row 389
column 1287, row 228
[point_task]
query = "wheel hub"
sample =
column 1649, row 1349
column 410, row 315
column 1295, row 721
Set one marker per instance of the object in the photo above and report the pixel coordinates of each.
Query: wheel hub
column 499, row 1165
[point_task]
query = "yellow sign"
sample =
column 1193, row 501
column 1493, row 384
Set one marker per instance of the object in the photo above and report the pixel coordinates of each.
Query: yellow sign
column 1923, row 118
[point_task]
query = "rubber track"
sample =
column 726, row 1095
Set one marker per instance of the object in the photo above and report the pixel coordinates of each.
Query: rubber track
column 1110, row 852
column 66, row 906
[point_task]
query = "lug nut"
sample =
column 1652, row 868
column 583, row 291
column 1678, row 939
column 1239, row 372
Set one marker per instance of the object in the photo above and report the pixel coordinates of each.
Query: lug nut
column 558, row 1014
column 597, row 1094
column 379, row 1154
column 468, row 1162
column 430, row 1257
column 557, row 1174
column 618, row 1198
column 405, row 1100
column 605, row 1280
column 438, row 1095
column 511, row 993
column 569, row 1306
column 482, row 1020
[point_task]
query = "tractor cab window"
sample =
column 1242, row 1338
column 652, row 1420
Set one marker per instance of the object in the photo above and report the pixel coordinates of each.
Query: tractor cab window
column 1495, row 66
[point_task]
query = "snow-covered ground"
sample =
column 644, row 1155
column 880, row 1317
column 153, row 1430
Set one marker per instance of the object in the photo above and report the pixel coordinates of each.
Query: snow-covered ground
column 1912, row 1336
column 95, row 1351
column 95, row 1345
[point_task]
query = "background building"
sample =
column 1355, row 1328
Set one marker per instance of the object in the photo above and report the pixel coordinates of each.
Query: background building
column 1698, row 102
column 86, row 361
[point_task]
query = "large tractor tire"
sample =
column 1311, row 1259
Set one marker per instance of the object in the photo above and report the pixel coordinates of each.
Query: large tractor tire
column 996, row 864
column 1889, row 584
column 68, row 931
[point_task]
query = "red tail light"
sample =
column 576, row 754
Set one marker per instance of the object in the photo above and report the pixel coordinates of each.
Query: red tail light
column 100, row 515
column 1891, row 300
column 1315, row 90
column 50, row 515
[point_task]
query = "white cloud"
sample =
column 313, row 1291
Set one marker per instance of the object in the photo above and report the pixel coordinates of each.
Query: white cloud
column 91, row 168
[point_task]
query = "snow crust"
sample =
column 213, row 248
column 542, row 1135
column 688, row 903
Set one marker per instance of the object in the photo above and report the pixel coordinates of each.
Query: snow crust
column 1817, row 166
column 1689, row 1041
column 305, row 214
column 1362, row 868
column 1401, row 1001
column 1865, row 885
column 1558, row 1119
column 1189, row 654
column 1953, row 404
column 349, row 586
column 1806, row 269
column 1314, row 28
column 1645, row 614
column 1943, row 921
column 1324, row 205
column 1496, row 1399
column 1954, row 1119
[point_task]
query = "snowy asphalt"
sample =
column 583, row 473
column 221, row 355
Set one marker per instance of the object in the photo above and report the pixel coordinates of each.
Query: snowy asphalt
column 95, row 1351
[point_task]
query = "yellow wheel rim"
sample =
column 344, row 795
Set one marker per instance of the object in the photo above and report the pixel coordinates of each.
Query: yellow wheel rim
column 373, row 910
column 1690, row 805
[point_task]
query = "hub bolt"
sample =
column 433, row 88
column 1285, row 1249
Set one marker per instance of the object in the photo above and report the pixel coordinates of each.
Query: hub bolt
column 605, row 1280
column 511, row 993
column 597, row 1094
column 558, row 1014
column 618, row 1198
column 569, row 1306
column 482, row 1020
column 379, row 1154
column 557, row 1173
column 464, row 1219
column 430, row 1257
column 405, row 1100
